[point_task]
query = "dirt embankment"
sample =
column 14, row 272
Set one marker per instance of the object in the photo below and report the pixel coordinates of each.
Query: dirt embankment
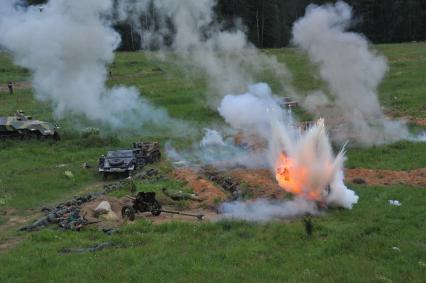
column 403, row 116
column 115, row 221
column 207, row 191
column 419, row 121
column 261, row 182
column 214, row 187
column 415, row 178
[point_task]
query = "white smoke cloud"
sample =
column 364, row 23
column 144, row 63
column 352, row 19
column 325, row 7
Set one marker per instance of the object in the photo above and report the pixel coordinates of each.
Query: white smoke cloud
column 353, row 72
column 212, row 137
column 313, row 170
column 217, row 151
column 226, row 57
column 264, row 210
column 315, row 101
column 68, row 45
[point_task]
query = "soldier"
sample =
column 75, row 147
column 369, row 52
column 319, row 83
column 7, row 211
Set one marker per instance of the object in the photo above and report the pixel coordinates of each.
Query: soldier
column 132, row 185
column 10, row 86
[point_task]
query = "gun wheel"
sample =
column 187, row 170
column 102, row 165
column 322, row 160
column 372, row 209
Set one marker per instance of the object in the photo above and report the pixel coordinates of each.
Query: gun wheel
column 128, row 212
column 156, row 208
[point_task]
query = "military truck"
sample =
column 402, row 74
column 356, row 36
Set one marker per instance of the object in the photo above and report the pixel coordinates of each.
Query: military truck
column 119, row 161
column 21, row 126
column 129, row 160
column 149, row 151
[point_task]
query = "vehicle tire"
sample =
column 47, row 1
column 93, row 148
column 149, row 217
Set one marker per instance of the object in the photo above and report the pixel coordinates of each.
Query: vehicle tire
column 128, row 212
column 156, row 208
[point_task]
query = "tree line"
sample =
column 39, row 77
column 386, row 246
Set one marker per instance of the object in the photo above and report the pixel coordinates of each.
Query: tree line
column 269, row 22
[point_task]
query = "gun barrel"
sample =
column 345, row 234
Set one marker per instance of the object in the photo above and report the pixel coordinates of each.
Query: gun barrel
column 198, row 216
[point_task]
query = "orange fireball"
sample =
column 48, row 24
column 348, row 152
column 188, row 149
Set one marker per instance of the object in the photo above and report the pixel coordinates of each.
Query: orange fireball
column 293, row 178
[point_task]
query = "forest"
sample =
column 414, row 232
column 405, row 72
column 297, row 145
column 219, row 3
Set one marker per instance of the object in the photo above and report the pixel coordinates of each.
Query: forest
column 268, row 22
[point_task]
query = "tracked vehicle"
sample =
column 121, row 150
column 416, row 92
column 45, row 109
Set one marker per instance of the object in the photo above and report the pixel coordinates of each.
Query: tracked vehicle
column 25, row 127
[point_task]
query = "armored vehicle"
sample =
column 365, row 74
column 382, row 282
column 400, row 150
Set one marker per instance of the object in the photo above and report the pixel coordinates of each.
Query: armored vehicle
column 149, row 151
column 120, row 161
column 21, row 126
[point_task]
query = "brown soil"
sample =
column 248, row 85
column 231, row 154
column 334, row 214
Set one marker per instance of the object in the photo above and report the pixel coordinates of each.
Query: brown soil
column 415, row 178
column 418, row 121
column 14, row 222
column 87, row 210
column 9, row 243
column 16, row 86
column 209, row 193
column 260, row 181
column 400, row 115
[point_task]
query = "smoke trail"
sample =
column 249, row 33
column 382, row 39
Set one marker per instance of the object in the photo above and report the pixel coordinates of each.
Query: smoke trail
column 67, row 45
column 226, row 57
column 353, row 72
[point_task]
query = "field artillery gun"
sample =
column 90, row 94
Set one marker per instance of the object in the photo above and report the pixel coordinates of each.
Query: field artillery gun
column 146, row 202
column 25, row 127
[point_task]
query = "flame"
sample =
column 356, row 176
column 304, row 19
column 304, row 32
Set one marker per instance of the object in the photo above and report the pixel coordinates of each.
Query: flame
column 294, row 178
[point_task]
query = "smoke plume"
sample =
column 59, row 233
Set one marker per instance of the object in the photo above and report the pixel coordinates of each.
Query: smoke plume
column 353, row 72
column 263, row 210
column 68, row 45
column 217, row 151
column 302, row 161
column 191, row 29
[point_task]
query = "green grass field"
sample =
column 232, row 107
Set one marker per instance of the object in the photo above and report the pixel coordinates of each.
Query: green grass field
column 347, row 245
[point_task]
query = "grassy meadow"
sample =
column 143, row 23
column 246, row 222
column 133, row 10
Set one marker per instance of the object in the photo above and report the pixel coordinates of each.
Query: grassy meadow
column 374, row 242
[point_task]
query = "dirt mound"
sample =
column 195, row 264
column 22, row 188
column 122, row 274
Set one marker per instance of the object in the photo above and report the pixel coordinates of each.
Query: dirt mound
column 411, row 119
column 209, row 193
column 419, row 121
column 212, row 185
column 415, row 178
column 261, row 182
column 88, row 210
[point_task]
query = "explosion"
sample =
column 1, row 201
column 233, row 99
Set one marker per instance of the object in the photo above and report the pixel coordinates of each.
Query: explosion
column 302, row 162
column 289, row 176
column 309, row 172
